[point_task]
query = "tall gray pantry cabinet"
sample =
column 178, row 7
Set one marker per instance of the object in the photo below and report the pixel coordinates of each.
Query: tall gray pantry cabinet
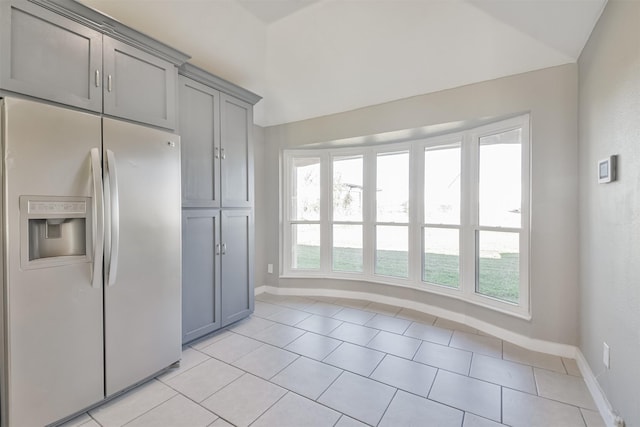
column 215, row 124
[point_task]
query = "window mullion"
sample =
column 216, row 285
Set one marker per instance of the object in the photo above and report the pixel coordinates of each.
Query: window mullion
column 368, row 212
column 469, row 213
column 326, row 195
column 416, row 211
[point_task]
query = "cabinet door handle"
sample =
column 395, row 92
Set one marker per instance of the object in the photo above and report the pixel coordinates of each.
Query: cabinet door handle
column 109, row 83
column 97, row 78
column 224, row 249
column 217, row 152
column 224, row 156
column 217, row 248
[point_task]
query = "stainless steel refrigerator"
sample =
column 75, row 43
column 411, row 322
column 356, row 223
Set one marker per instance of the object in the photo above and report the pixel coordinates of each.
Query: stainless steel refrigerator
column 90, row 259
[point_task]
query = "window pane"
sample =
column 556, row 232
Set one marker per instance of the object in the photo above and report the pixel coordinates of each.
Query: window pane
column 392, row 187
column 500, row 179
column 442, row 256
column 347, row 248
column 442, row 186
column 499, row 265
column 347, row 188
column 305, row 203
column 305, row 246
column 392, row 250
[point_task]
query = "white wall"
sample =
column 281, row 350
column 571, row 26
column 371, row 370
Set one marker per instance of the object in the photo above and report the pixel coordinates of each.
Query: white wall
column 609, row 108
column 551, row 97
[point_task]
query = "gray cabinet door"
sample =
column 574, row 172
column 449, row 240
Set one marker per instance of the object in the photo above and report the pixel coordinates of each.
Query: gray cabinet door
column 236, row 150
column 199, row 129
column 138, row 85
column 48, row 56
column 200, row 273
column 237, row 265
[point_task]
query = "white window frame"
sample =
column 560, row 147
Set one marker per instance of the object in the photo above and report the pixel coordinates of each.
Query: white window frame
column 468, row 141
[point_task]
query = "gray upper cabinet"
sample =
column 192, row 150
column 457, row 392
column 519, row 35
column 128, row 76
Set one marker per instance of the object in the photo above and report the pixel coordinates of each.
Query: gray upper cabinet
column 199, row 127
column 216, row 125
column 236, row 155
column 61, row 53
column 139, row 86
column 48, row 56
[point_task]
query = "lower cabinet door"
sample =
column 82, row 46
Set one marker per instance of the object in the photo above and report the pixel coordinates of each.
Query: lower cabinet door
column 200, row 273
column 237, row 264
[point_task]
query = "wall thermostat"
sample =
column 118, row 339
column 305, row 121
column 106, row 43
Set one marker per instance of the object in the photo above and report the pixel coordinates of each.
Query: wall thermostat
column 607, row 170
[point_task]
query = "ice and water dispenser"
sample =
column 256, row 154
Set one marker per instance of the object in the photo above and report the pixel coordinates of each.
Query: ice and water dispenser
column 54, row 230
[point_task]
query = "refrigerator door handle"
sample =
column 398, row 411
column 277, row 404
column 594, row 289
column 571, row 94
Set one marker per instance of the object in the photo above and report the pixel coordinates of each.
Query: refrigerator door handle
column 112, row 172
column 98, row 219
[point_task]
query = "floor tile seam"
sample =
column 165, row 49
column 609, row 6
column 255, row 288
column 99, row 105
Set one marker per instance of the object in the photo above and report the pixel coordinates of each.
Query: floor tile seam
column 507, row 360
column 329, row 386
column 203, row 338
column 375, row 349
column 316, row 401
column 288, row 364
column 325, row 389
column 348, row 321
column 253, row 351
column 235, row 360
column 331, row 352
column 270, row 406
column 412, row 320
column 395, row 393
column 176, row 395
column 471, row 351
column 186, row 370
column 502, row 404
column 473, row 356
column 555, row 400
column 413, row 393
column 352, row 416
column 266, row 342
column 564, row 366
column 151, row 409
column 209, row 395
column 584, row 420
column 90, row 416
column 443, row 403
column 272, row 344
column 504, row 386
column 542, row 368
column 488, row 382
column 228, row 384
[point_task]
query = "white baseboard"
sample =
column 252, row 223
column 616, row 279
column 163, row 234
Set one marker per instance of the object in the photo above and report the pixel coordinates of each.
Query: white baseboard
column 534, row 344
column 604, row 407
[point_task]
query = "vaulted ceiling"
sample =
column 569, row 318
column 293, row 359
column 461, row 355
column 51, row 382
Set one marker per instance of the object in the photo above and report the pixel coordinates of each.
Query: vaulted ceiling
column 309, row 58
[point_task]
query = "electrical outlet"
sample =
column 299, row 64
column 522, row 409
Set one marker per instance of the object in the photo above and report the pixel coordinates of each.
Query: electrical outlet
column 606, row 354
column 270, row 268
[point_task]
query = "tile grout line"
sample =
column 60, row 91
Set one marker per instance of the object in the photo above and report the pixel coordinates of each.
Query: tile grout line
column 387, row 408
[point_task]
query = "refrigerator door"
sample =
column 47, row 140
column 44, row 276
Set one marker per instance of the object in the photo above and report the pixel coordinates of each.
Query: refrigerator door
column 52, row 360
column 142, row 252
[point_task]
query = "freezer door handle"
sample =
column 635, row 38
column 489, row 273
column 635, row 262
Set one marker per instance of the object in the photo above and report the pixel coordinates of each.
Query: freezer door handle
column 112, row 173
column 98, row 219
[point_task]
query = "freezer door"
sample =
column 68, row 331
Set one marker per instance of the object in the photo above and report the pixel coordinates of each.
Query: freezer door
column 142, row 252
column 53, row 348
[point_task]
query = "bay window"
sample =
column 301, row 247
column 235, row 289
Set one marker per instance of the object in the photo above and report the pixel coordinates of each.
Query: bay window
column 448, row 214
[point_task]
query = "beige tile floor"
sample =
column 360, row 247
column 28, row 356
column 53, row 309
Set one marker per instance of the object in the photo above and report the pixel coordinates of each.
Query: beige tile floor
column 300, row 362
